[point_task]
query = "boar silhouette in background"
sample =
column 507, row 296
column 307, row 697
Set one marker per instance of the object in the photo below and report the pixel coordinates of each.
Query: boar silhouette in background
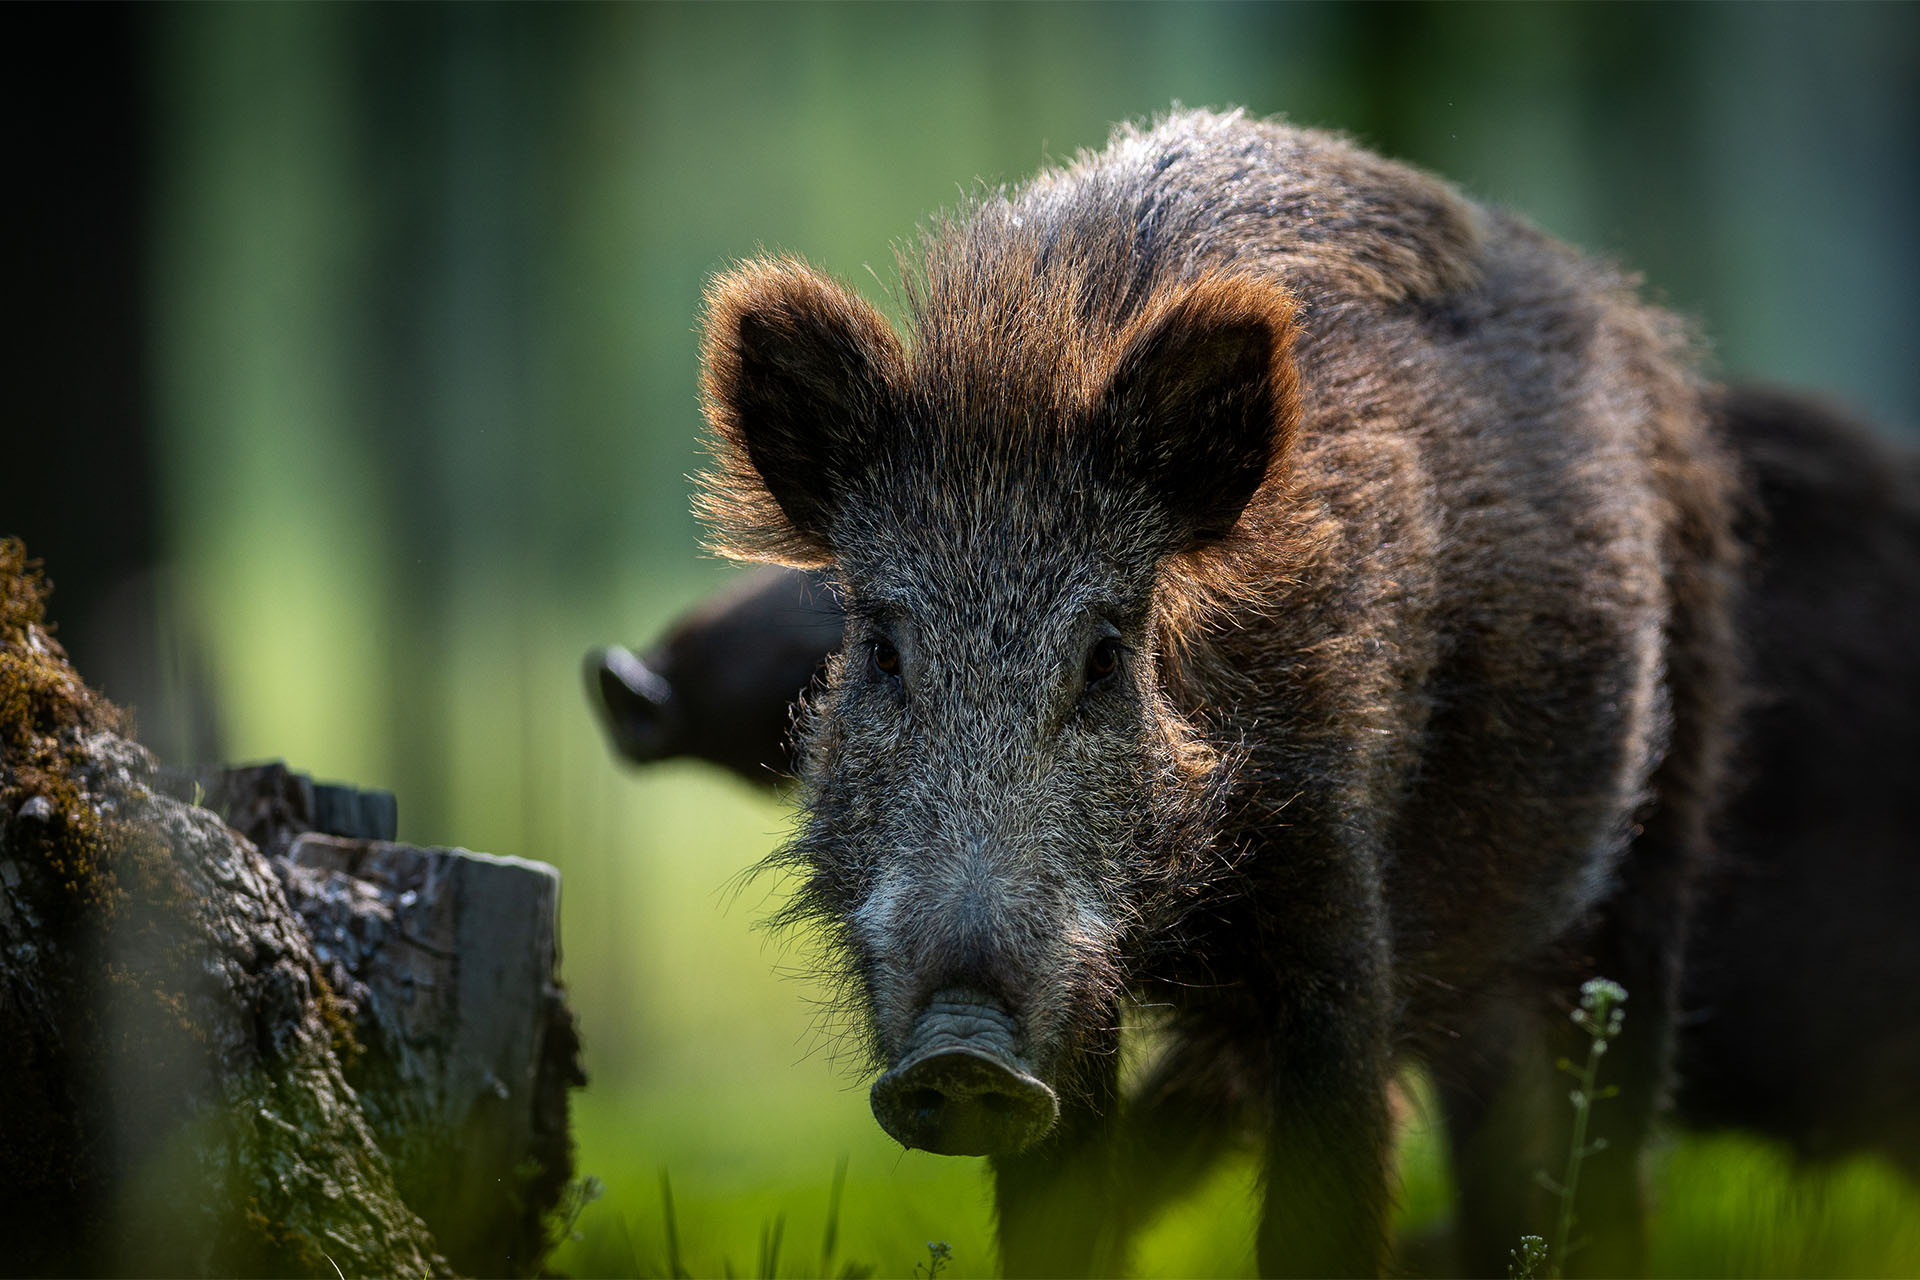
column 1801, row 1013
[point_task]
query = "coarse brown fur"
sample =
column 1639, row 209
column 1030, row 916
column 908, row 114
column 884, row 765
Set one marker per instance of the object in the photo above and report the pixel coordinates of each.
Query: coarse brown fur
column 1801, row 937
column 1412, row 537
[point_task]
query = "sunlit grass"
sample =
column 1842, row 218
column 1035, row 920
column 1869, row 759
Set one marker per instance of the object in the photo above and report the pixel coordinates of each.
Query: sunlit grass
column 1732, row 1206
column 709, row 1060
column 741, row 1159
column 1724, row 1206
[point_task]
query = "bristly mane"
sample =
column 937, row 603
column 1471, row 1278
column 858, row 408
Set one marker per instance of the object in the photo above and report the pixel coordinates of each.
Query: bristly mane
column 1018, row 303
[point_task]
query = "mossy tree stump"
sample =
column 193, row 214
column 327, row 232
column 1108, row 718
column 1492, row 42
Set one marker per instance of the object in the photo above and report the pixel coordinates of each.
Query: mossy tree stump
column 354, row 1055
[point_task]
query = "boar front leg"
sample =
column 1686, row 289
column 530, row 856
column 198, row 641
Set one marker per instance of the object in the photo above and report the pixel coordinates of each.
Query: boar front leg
column 1071, row 1209
column 1059, row 1203
column 1507, row 1104
column 1194, row 1104
column 1328, row 1145
column 1512, row 1120
column 1320, row 994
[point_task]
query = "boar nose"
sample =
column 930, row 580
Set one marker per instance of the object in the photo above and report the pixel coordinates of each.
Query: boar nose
column 636, row 703
column 960, row 1089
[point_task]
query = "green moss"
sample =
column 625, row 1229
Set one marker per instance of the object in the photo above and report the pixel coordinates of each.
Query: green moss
column 104, row 887
column 337, row 1016
column 23, row 591
column 45, row 708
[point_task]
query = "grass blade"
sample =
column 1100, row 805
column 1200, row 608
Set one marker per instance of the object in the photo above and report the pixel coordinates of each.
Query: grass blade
column 674, row 1269
column 830, row 1238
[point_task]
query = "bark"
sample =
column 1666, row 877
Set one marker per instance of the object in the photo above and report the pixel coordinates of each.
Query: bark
column 354, row 1057
column 446, row 960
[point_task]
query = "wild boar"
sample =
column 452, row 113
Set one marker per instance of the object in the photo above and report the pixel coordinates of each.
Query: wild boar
column 719, row 684
column 1278, row 591
column 1801, row 936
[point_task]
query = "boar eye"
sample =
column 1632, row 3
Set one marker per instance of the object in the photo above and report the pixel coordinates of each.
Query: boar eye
column 1102, row 660
column 886, row 659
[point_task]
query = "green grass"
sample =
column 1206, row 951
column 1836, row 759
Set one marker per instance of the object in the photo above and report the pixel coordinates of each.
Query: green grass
column 1723, row 1206
column 1732, row 1206
column 708, row 1061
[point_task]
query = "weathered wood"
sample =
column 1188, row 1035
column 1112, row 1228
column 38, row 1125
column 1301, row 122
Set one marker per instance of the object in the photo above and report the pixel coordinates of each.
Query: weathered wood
column 175, row 1097
column 270, row 804
column 446, row 960
column 444, row 963
column 354, row 1058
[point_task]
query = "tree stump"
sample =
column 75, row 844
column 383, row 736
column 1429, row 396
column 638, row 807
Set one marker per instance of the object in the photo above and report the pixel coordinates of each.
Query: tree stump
column 354, row 1055
column 447, row 960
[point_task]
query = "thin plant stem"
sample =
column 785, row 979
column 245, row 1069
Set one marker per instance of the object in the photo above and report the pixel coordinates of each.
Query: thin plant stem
column 1600, row 1016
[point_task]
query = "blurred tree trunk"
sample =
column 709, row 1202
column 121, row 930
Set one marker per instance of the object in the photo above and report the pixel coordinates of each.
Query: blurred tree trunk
column 76, row 118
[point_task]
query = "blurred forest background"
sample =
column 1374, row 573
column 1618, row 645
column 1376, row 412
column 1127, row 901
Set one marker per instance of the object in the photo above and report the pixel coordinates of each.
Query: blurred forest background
column 351, row 368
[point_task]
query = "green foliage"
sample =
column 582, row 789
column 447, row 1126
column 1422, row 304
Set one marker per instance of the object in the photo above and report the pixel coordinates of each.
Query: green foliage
column 939, row 1254
column 1599, row 1015
column 1725, row 1206
column 574, row 1199
column 674, row 1269
column 609, row 1247
column 1528, row 1258
column 1733, row 1206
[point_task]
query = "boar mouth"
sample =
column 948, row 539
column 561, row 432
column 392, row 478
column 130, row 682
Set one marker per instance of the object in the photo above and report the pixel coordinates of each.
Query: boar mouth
column 960, row 1088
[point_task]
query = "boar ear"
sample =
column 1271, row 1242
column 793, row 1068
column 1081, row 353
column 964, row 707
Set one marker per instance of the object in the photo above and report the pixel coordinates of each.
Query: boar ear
column 798, row 375
column 1203, row 402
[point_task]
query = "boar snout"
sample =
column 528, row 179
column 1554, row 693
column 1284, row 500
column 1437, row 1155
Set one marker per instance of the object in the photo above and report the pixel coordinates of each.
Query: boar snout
column 636, row 702
column 960, row 1088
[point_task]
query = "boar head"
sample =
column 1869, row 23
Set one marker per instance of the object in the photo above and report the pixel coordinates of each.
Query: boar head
column 1005, row 805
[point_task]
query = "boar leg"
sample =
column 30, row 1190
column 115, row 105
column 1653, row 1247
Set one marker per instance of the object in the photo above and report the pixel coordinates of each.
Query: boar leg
column 1058, row 1203
column 1313, row 1013
column 1509, row 1116
column 1639, row 1063
column 1070, row 1208
column 1328, row 1150
column 1503, row 1100
column 1191, row 1107
column 1510, row 1121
